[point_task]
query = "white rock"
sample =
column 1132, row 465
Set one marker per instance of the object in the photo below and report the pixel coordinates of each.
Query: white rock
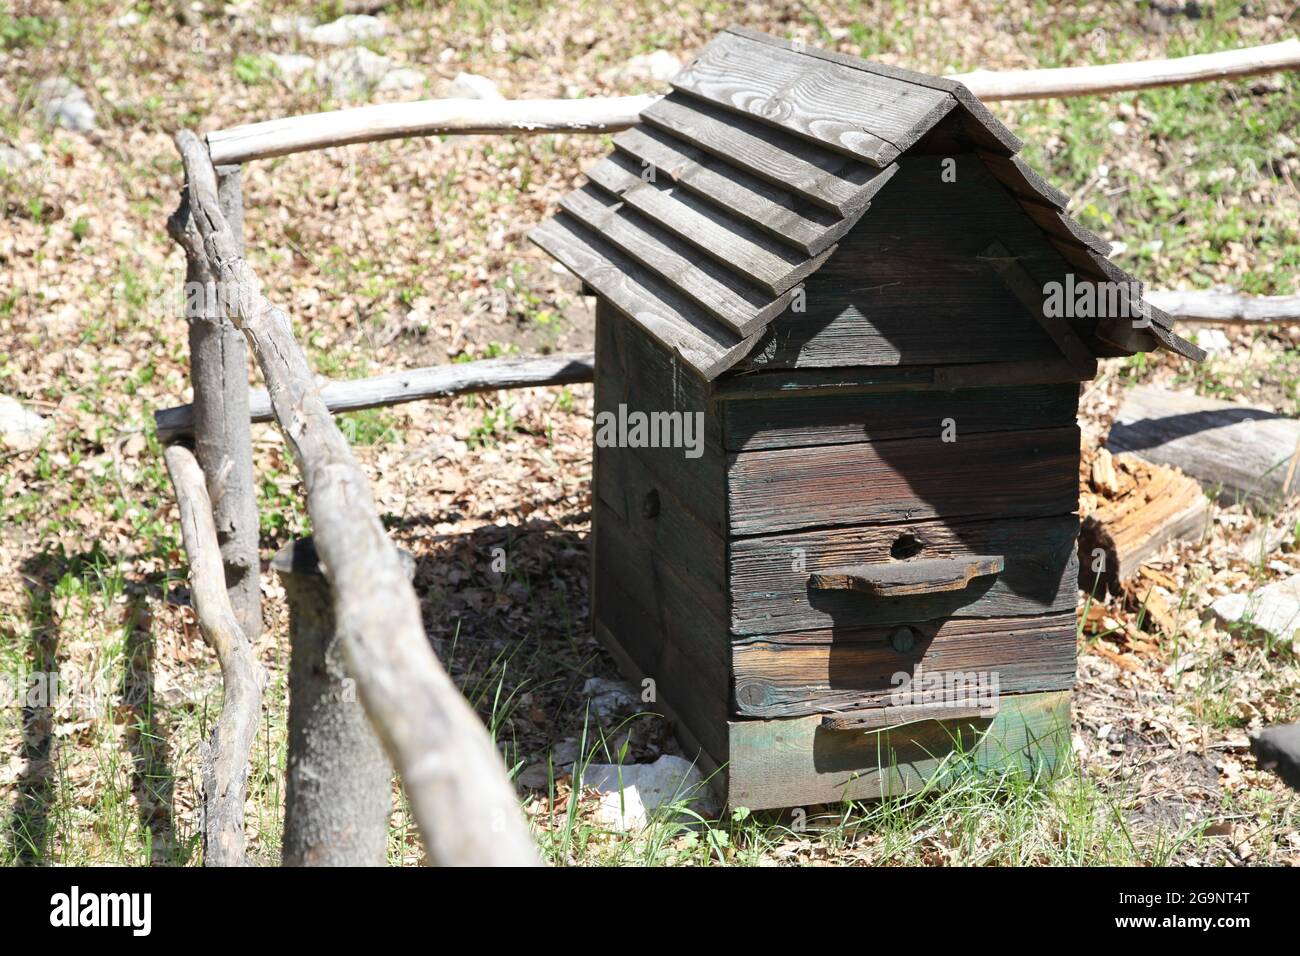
column 20, row 429
column 471, row 87
column 128, row 19
column 291, row 66
column 65, row 104
column 349, row 74
column 645, row 788
column 291, row 25
column 1273, row 609
column 659, row 67
column 12, row 159
column 1213, row 341
column 608, row 696
column 402, row 79
column 353, row 28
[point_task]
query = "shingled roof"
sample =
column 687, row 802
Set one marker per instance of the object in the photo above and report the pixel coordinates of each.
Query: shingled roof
column 764, row 155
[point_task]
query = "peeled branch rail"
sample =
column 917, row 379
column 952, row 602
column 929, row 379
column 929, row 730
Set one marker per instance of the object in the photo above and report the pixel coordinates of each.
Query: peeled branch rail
column 1227, row 307
column 1142, row 75
column 445, row 381
column 393, row 388
column 225, row 758
column 367, row 124
column 465, row 808
column 363, row 124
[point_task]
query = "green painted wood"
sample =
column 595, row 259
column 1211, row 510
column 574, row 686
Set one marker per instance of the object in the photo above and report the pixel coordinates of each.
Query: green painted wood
column 795, row 761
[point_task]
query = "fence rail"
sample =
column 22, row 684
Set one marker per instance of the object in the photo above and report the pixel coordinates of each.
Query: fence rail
column 362, row 124
column 463, row 804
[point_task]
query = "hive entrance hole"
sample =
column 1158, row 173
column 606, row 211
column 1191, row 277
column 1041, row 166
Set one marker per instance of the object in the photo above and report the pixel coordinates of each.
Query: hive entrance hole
column 906, row 545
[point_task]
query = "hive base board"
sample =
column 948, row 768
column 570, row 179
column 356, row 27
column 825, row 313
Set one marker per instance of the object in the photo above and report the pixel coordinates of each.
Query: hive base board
column 794, row 761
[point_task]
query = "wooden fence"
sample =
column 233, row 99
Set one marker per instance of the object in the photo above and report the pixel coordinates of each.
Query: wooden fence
column 463, row 804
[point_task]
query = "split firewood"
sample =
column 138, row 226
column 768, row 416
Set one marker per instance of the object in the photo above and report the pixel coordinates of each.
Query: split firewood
column 1130, row 509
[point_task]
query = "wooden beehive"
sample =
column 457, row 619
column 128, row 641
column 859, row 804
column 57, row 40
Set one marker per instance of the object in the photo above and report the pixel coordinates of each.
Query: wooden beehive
column 841, row 267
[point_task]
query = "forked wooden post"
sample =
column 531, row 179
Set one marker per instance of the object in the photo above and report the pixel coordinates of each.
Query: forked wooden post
column 222, row 438
column 466, row 809
column 339, row 786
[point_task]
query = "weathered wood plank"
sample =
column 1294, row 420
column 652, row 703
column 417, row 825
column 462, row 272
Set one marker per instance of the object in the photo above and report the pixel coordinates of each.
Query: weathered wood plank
column 1131, row 509
column 754, row 256
column 639, row 373
column 1057, row 224
column 774, row 210
column 795, row 761
column 908, row 286
column 833, row 419
column 745, row 384
column 907, row 578
column 769, row 575
column 863, row 115
column 808, row 672
column 1030, row 294
column 703, row 344
column 1022, row 179
column 640, row 598
column 1026, row 473
column 740, row 306
column 828, row 179
column 981, row 127
column 1240, row 451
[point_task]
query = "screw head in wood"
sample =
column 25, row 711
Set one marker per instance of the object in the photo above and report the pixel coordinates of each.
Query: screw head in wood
column 903, row 639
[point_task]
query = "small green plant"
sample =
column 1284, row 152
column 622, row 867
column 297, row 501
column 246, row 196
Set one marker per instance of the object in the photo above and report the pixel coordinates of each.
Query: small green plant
column 253, row 69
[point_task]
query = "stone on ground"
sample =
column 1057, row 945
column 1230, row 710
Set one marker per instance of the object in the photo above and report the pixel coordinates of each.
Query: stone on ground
column 631, row 793
column 65, row 104
column 20, row 429
column 1274, row 609
column 469, row 86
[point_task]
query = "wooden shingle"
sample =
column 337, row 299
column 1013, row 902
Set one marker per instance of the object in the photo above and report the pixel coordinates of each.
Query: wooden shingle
column 712, row 212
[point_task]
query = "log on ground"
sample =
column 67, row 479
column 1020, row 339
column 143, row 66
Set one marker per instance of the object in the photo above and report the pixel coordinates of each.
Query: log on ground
column 1235, row 451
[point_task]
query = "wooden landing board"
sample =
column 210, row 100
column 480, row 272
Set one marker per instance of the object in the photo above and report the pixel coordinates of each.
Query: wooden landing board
column 811, row 672
column 769, row 575
column 795, row 761
column 1010, row 474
